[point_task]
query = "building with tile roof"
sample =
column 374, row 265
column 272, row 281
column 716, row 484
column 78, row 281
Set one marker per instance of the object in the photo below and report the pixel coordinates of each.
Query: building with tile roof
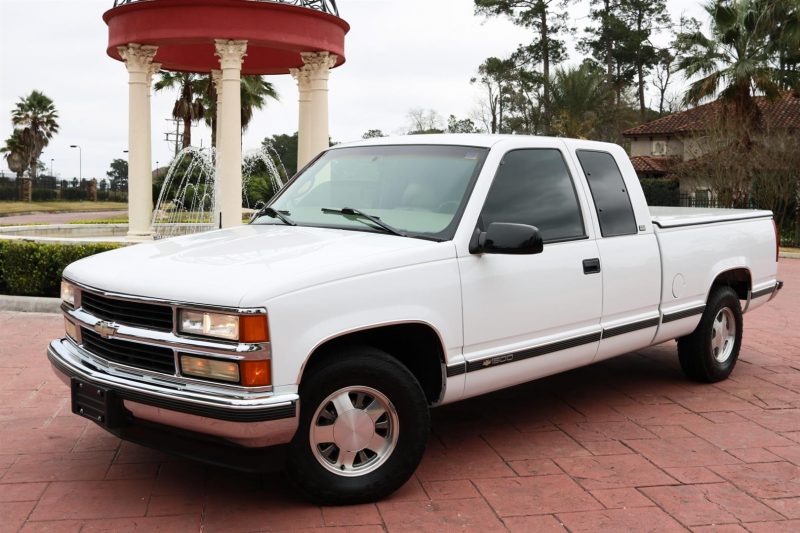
column 656, row 145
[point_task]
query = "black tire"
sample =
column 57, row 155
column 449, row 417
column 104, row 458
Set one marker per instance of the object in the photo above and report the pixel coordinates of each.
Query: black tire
column 369, row 369
column 698, row 354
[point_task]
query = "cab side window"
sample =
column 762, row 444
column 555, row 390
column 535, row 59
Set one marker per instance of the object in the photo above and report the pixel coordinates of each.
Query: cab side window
column 611, row 200
column 534, row 187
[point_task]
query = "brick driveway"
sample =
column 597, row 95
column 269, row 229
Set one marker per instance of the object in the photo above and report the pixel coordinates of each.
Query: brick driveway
column 623, row 445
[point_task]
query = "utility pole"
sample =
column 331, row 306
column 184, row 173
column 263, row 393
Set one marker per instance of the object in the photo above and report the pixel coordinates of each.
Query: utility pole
column 175, row 137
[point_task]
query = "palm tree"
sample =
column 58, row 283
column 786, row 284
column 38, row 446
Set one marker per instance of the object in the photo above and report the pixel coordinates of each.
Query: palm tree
column 784, row 41
column 255, row 91
column 36, row 116
column 578, row 95
column 16, row 153
column 189, row 104
column 734, row 61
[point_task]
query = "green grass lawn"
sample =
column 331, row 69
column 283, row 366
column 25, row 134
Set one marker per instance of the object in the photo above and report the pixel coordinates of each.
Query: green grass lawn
column 21, row 208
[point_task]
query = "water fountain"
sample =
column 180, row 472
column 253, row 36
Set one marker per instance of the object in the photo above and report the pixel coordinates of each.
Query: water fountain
column 186, row 201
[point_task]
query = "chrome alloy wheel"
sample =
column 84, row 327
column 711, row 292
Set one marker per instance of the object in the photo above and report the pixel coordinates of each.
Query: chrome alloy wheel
column 354, row 431
column 723, row 335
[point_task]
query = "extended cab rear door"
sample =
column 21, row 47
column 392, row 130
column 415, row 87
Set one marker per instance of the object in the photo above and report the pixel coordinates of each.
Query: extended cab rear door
column 630, row 261
column 526, row 316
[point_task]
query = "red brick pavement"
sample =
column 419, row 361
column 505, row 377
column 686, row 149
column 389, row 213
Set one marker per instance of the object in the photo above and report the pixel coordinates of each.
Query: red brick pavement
column 628, row 444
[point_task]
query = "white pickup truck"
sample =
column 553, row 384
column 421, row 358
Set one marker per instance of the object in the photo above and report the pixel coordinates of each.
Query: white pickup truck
column 394, row 275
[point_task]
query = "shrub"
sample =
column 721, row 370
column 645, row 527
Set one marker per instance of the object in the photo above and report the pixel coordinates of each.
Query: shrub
column 74, row 194
column 44, row 195
column 661, row 191
column 9, row 192
column 34, row 268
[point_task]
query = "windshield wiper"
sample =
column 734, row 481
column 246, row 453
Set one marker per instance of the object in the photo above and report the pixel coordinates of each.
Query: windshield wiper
column 375, row 220
column 274, row 213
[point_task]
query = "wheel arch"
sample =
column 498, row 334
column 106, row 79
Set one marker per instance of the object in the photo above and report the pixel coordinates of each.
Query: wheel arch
column 416, row 344
column 739, row 279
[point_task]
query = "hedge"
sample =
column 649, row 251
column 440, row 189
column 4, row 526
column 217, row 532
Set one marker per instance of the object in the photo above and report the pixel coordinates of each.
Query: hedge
column 661, row 191
column 34, row 268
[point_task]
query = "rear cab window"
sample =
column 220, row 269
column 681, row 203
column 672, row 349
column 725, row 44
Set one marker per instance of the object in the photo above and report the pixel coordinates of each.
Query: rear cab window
column 609, row 192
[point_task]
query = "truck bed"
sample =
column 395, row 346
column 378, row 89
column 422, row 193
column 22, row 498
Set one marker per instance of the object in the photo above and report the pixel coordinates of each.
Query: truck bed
column 672, row 217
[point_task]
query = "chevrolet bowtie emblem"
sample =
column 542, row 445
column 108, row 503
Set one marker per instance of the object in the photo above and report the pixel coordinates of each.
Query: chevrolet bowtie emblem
column 105, row 329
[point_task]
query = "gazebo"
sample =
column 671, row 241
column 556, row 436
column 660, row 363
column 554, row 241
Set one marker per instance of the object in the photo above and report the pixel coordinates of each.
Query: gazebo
column 226, row 38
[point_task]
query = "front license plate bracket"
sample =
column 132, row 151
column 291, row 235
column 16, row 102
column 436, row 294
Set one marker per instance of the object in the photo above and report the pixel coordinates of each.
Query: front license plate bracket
column 98, row 404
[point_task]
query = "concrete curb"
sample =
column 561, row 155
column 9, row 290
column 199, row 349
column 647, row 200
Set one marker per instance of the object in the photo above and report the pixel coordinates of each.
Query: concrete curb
column 29, row 304
column 789, row 255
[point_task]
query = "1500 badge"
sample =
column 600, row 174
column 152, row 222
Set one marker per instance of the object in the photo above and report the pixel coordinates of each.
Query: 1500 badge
column 499, row 360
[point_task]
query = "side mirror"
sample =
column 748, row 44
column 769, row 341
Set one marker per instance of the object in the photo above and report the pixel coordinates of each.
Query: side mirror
column 507, row 238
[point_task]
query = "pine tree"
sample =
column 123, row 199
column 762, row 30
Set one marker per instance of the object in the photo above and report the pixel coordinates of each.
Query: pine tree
column 545, row 48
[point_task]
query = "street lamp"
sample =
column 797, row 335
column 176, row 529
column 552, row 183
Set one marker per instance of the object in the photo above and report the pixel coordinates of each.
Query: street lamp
column 51, row 166
column 80, row 159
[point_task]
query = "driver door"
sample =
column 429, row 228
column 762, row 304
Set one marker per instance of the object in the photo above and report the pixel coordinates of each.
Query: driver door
column 527, row 316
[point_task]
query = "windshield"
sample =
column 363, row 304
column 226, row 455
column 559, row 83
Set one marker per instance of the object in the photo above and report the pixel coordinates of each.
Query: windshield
column 418, row 190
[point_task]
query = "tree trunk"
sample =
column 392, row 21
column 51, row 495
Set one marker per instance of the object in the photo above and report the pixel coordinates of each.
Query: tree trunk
column 545, row 70
column 493, row 103
column 642, row 107
column 186, row 114
column 640, row 68
column 26, row 189
column 187, row 132
column 606, row 32
column 500, row 110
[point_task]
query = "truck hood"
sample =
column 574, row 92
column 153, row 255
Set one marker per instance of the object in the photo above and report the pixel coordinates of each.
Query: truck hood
column 248, row 265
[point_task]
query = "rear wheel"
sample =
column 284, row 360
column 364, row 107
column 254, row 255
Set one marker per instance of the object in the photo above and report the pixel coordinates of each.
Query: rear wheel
column 711, row 351
column 364, row 424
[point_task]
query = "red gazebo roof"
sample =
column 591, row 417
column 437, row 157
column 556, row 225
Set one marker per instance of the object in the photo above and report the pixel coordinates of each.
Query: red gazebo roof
column 185, row 30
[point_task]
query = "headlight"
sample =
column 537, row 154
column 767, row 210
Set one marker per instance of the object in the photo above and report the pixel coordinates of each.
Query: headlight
column 244, row 328
column 68, row 293
column 210, row 324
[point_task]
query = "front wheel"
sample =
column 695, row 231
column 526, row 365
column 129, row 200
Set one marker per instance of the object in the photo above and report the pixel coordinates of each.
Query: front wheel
column 364, row 424
column 711, row 351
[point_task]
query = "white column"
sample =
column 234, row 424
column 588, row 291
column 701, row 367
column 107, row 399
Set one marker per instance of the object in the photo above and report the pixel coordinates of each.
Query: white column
column 318, row 65
column 152, row 71
column 138, row 60
column 303, row 123
column 216, row 78
column 231, row 54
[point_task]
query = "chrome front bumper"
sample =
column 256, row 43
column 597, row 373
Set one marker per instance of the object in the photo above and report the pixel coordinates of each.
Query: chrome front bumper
column 251, row 420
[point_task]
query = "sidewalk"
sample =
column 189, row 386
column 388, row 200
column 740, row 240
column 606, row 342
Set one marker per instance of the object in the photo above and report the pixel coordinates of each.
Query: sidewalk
column 59, row 218
column 626, row 445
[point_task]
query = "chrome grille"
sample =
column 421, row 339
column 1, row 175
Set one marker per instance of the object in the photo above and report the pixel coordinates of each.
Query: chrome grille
column 143, row 356
column 152, row 316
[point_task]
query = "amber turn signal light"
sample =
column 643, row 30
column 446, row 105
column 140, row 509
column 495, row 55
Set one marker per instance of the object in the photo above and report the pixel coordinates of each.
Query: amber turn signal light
column 253, row 328
column 255, row 373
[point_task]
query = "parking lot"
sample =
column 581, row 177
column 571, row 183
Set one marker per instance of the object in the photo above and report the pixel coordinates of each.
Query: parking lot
column 627, row 444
